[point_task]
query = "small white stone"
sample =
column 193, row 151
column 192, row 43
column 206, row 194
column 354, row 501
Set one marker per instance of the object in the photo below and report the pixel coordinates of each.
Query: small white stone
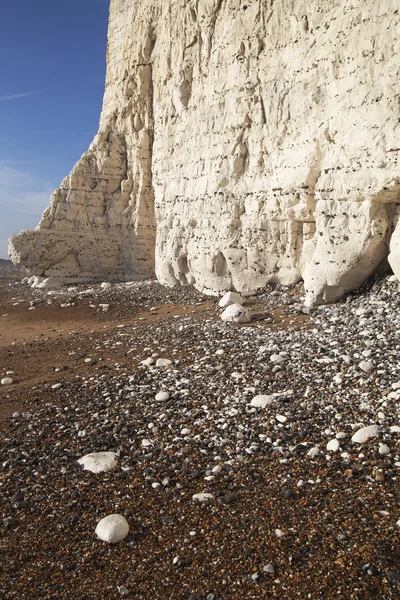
column 6, row 381
column 366, row 366
column 163, row 362
column 230, row 298
column 146, row 443
column 281, row 418
column 341, row 435
column 278, row 533
column 217, row 469
column 384, row 449
column 185, row 431
column 88, row 360
column 105, row 285
column 313, row 452
column 98, row 462
column 147, row 361
column 112, row 529
column 394, row 429
column 333, row 445
column 56, row 386
column 277, row 358
column 235, row 313
column 365, row 433
column 261, row 401
column 123, row 590
column 204, row 497
column 162, row 396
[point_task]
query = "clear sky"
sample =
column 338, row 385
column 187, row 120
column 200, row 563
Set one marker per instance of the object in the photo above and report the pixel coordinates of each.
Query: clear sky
column 51, row 87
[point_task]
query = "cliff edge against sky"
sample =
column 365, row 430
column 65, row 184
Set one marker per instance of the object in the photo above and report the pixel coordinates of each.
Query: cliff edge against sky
column 240, row 142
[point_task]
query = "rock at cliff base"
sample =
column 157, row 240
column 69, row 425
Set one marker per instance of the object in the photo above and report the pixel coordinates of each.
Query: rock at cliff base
column 235, row 313
column 230, row 298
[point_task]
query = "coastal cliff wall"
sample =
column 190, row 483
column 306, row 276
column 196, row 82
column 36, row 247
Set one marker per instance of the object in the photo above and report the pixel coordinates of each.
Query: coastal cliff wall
column 240, row 142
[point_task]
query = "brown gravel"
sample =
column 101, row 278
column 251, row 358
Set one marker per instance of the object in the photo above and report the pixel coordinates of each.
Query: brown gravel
column 339, row 534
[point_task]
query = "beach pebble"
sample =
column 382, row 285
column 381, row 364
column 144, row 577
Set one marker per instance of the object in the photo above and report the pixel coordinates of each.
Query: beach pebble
column 261, row 401
column 6, row 381
column 366, row 366
column 162, row 396
column 333, row 445
column 163, row 362
column 98, row 462
column 277, row 358
column 203, row 497
column 365, row 433
column 112, row 529
column 384, row 449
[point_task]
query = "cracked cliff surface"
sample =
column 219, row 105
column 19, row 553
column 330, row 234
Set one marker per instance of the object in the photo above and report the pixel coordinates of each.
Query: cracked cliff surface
column 240, row 142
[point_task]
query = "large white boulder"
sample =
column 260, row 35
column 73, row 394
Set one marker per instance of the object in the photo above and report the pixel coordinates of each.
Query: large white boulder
column 235, row 313
column 230, row 298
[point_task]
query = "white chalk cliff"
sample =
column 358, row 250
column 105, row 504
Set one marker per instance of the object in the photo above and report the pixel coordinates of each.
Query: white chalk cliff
column 240, row 142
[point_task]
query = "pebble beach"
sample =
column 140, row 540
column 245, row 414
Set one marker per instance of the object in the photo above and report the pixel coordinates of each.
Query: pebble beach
column 244, row 461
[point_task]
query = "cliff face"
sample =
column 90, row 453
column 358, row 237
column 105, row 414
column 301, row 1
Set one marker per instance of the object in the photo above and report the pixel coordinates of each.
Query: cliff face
column 240, row 142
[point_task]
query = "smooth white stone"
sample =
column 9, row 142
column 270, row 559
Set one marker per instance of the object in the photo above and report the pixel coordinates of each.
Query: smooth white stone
column 162, row 396
column 163, row 362
column 384, row 449
column 261, row 401
column 6, row 381
column 313, row 452
column 112, row 529
column 203, row 497
column 365, row 433
column 333, row 445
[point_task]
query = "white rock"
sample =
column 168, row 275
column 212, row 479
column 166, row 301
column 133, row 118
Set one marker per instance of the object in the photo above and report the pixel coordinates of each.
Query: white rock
column 99, row 462
column 365, row 433
column 394, row 429
column 277, row 358
column 146, row 443
column 235, row 313
column 56, row 386
column 333, row 445
column 204, row 497
column 112, row 529
column 384, row 449
column 261, row 401
column 313, row 452
column 281, row 418
column 366, row 366
column 185, row 431
column 163, row 362
column 230, row 298
column 147, row 361
column 105, row 285
column 6, row 381
column 162, row 396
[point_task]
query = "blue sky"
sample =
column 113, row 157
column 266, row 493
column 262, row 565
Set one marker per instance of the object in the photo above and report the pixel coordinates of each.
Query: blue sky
column 51, row 87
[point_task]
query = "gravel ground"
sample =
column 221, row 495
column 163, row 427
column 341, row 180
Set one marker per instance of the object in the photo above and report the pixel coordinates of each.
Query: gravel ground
column 296, row 508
